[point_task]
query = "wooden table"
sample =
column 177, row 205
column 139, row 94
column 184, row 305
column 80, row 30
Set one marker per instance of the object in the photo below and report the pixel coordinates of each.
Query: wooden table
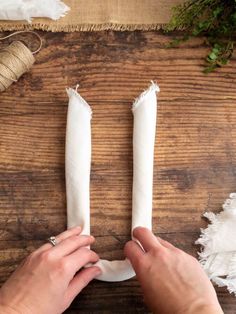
column 195, row 160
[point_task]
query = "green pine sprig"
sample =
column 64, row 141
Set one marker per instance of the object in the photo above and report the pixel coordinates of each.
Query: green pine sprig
column 214, row 19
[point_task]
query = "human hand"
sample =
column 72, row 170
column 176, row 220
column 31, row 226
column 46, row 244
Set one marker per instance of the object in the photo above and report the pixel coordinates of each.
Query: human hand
column 46, row 282
column 172, row 281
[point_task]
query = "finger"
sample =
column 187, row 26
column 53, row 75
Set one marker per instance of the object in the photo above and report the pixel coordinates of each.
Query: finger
column 80, row 258
column 146, row 238
column 71, row 244
column 80, row 281
column 62, row 236
column 165, row 243
column 134, row 253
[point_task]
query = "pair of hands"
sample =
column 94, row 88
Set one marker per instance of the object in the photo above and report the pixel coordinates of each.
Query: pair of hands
column 50, row 278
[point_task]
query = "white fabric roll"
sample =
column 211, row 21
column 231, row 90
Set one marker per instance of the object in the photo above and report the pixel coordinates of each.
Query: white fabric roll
column 144, row 111
column 78, row 160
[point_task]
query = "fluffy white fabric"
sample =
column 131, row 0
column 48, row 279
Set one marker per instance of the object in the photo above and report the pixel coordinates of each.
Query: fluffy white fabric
column 78, row 160
column 26, row 9
column 218, row 256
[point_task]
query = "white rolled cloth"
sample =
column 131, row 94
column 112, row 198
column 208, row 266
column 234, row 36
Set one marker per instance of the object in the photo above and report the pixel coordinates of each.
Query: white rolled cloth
column 218, row 240
column 27, row 9
column 78, row 161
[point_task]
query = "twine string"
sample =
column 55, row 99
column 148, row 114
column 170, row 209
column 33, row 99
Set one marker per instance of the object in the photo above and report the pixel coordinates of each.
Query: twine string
column 24, row 32
column 15, row 60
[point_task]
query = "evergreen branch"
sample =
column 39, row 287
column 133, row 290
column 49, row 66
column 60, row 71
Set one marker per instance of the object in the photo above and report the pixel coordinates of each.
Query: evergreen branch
column 214, row 19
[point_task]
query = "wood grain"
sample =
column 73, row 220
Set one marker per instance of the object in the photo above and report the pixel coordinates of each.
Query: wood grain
column 195, row 161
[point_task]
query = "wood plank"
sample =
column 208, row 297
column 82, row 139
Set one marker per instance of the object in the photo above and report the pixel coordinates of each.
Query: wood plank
column 194, row 158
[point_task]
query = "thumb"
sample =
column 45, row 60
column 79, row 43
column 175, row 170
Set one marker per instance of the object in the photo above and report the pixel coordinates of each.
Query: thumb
column 80, row 281
column 134, row 253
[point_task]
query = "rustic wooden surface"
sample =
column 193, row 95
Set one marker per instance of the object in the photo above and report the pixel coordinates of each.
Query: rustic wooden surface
column 195, row 160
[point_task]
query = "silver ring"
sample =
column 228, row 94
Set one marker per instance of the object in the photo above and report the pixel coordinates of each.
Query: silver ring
column 52, row 240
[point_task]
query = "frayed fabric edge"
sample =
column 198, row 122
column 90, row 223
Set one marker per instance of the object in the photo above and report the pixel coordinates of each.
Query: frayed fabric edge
column 74, row 92
column 57, row 27
column 61, row 10
column 152, row 88
column 230, row 280
column 206, row 234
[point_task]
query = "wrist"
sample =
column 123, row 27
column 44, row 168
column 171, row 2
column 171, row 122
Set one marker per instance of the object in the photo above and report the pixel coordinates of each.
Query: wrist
column 8, row 310
column 200, row 308
column 209, row 309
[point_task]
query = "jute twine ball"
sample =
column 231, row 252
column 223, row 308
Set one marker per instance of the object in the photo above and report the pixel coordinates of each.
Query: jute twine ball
column 15, row 60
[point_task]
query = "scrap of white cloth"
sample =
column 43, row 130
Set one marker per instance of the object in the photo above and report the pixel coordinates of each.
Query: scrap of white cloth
column 78, row 163
column 27, row 9
column 218, row 256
